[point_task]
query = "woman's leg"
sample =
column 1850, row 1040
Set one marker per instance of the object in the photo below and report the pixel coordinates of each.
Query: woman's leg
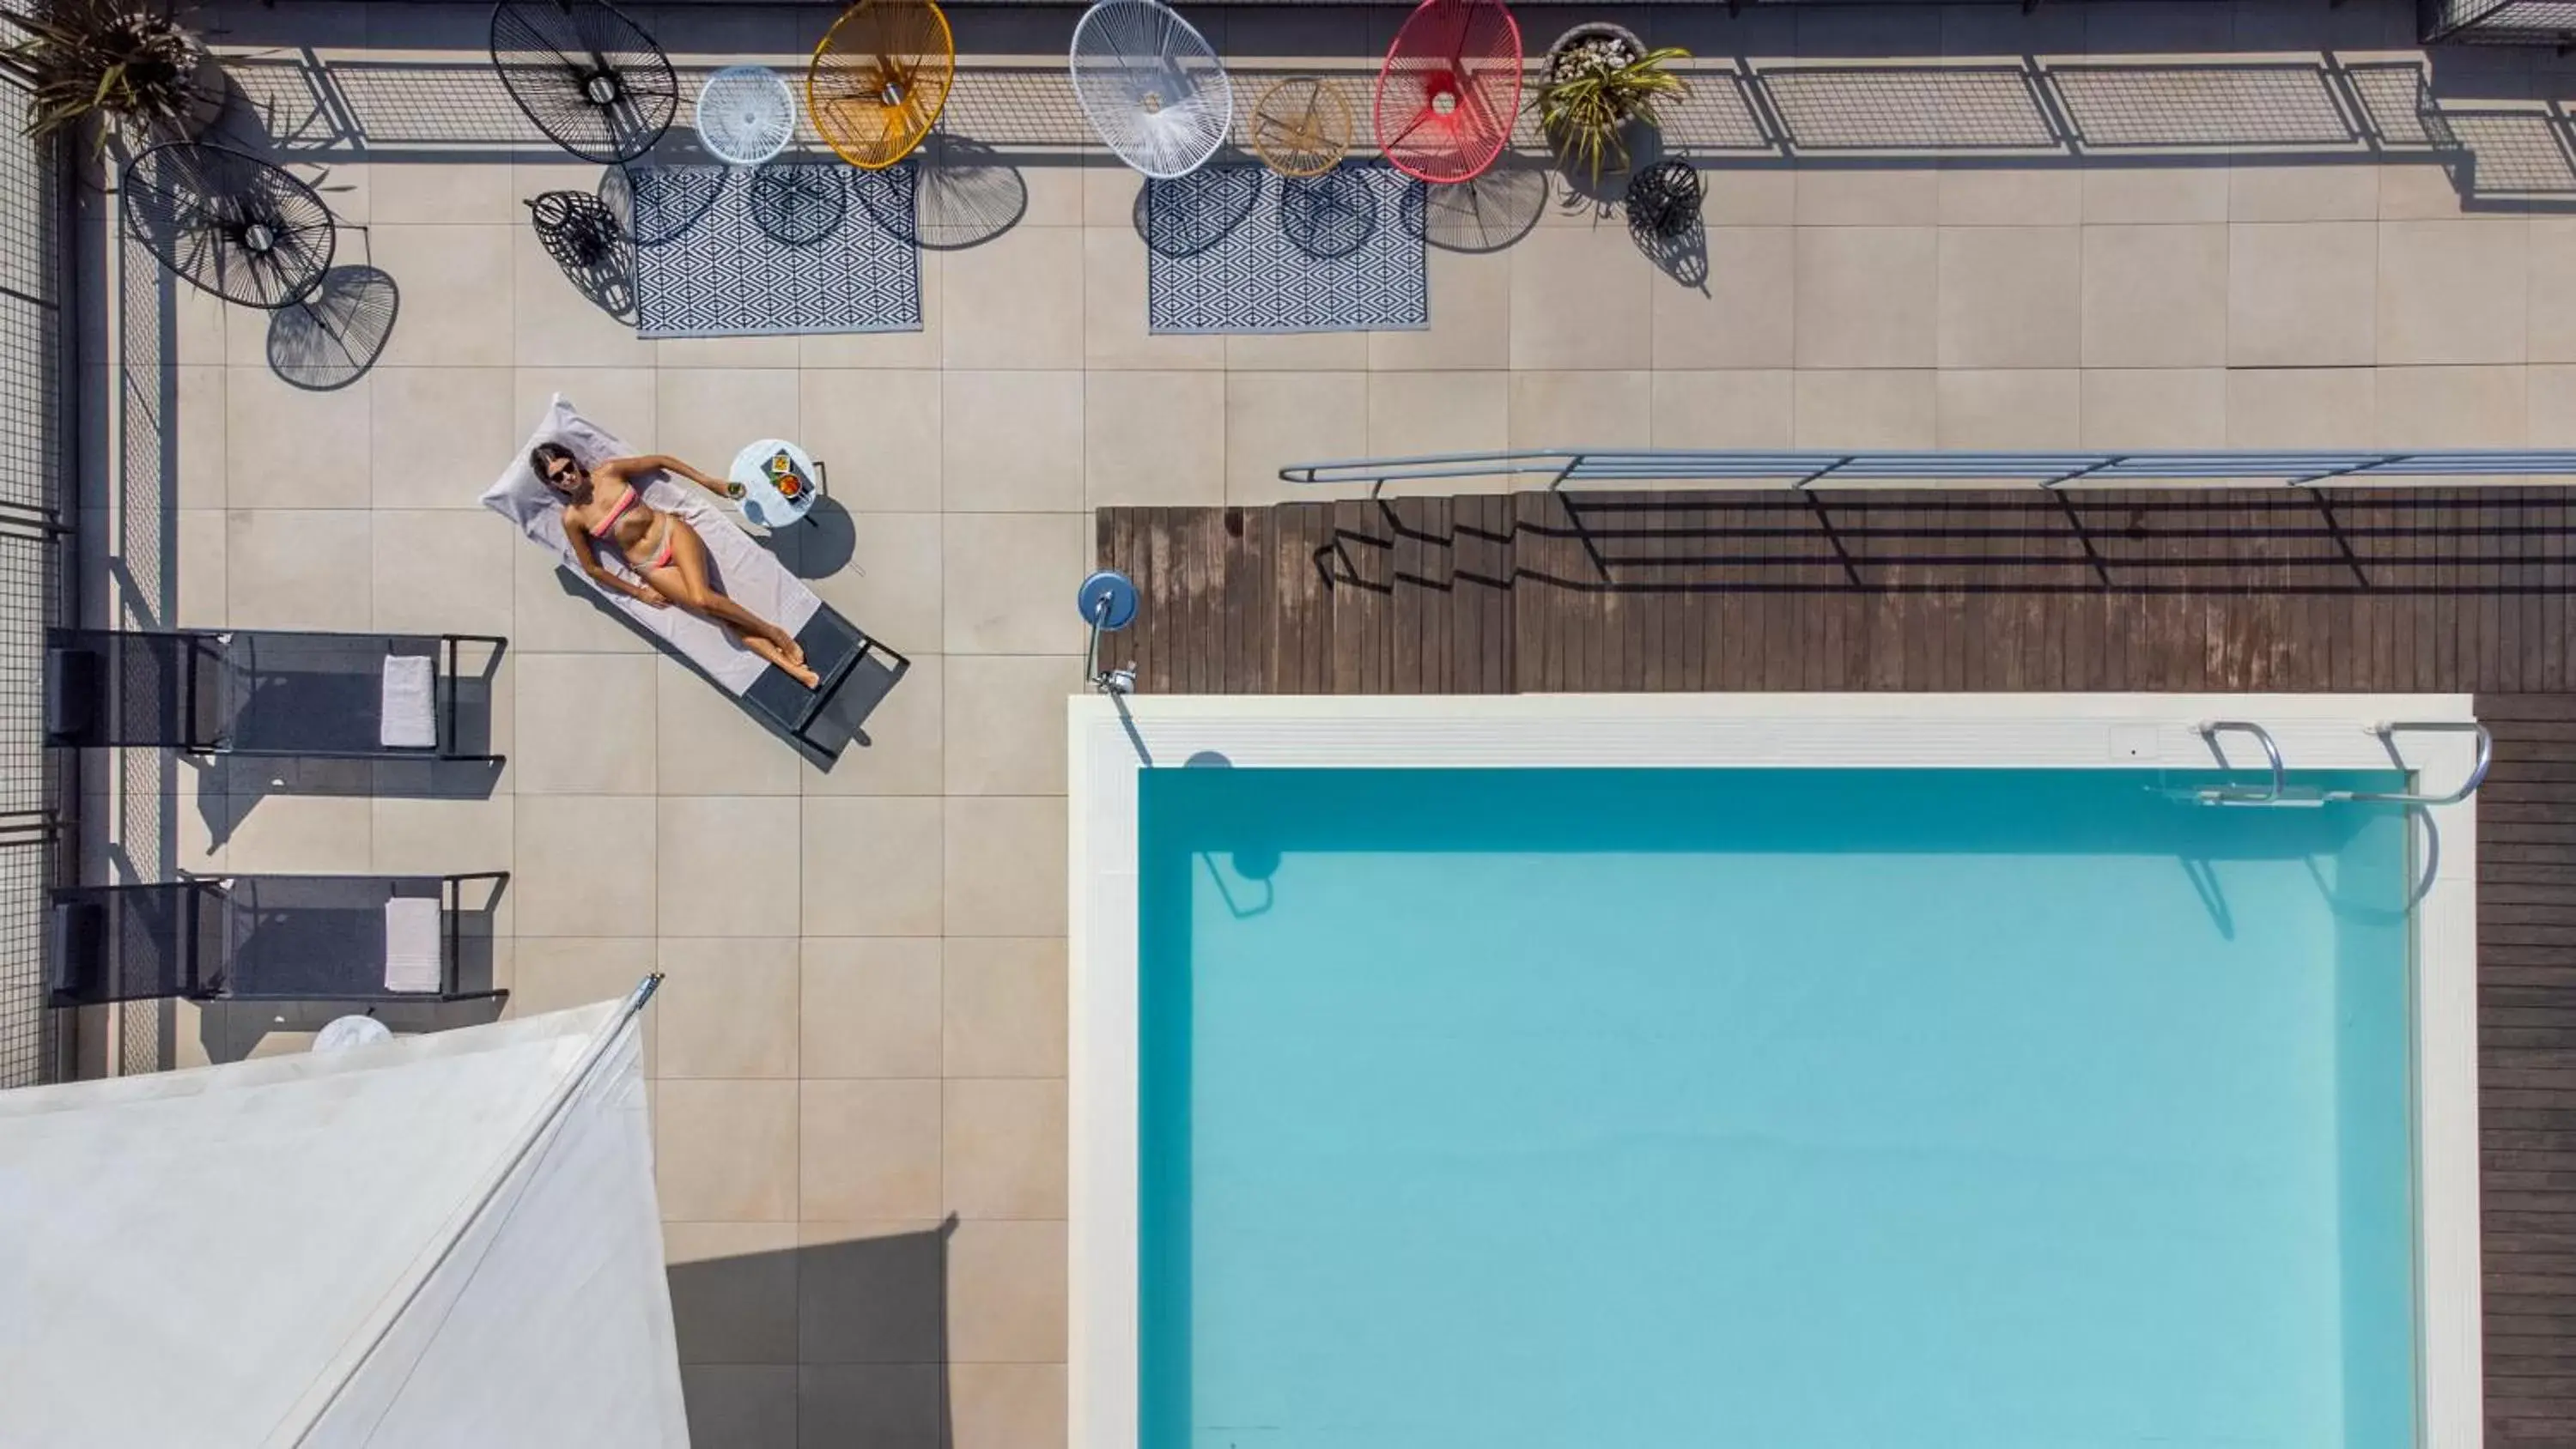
column 684, row 581
column 775, row 655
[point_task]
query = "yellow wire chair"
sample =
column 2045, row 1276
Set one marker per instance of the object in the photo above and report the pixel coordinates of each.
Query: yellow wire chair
column 879, row 80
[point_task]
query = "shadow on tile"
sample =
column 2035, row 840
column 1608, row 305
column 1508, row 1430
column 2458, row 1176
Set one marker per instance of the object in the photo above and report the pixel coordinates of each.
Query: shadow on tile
column 229, row 787
column 841, row 720
column 877, row 1302
column 820, row 546
column 1484, row 215
column 232, row 1031
column 333, row 336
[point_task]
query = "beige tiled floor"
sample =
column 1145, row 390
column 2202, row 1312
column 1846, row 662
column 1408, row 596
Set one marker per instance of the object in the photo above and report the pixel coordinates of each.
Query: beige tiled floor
column 858, row 1062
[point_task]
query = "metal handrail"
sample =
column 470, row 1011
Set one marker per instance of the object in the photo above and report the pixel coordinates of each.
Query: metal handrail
column 2387, row 732
column 2277, row 793
column 2209, row 730
column 1800, row 470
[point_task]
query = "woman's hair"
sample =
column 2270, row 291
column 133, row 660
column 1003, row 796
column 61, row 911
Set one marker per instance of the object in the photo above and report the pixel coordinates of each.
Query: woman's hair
column 543, row 456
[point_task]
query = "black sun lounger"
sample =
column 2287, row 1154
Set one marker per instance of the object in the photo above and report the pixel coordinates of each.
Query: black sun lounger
column 270, row 938
column 269, row 692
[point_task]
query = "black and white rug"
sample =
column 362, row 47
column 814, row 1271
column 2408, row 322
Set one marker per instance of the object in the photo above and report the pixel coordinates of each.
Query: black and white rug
column 1238, row 249
column 808, row 247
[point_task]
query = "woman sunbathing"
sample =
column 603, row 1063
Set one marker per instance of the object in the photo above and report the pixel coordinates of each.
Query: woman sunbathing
column 606, row 503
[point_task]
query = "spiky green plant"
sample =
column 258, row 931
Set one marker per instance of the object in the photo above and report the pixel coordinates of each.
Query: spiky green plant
column 1595, row 87
column 82, row 58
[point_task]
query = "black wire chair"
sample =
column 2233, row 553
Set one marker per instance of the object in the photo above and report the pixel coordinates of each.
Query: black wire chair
column 229, row 223
column 592, row 246
column 1663, row 200
column 586, row 75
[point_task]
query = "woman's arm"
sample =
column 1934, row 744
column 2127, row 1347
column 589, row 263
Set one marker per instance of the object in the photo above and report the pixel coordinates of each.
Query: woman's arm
column 669, row 464
column 588, row 557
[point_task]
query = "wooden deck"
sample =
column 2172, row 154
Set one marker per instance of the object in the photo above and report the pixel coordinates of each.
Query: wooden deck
column 2454, row 591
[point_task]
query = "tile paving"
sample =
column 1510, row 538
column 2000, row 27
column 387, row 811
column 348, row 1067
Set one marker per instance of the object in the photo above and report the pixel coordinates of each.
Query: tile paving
column 857, row 1069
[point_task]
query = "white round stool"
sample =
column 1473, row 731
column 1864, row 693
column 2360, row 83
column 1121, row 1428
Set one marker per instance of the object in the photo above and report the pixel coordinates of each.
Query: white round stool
column 746, row 114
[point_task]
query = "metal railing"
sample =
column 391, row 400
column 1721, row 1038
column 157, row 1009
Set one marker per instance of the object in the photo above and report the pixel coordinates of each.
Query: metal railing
column 1561, row 467
column 2278, row 791
column 35, row 559
column 2497, row 22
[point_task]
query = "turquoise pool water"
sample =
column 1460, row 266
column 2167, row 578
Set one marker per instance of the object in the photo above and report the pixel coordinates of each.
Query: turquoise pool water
column 1509, row 1109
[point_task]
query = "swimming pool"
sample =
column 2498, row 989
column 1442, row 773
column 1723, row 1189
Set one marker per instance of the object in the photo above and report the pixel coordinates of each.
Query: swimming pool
column 1537, row 1104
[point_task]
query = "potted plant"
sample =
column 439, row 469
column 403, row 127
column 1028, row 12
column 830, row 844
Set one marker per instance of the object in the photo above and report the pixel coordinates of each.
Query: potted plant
column 137, row 71
column 1600, row 79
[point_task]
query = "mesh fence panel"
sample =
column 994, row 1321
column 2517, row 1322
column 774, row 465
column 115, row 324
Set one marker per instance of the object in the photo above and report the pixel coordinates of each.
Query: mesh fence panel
column 2499, row 22
column 1908, row 108
column 2202, row 105
column 33, row 404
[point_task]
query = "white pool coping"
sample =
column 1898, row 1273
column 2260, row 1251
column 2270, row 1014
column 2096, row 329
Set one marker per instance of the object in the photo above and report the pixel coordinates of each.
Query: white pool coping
column 1109, row 740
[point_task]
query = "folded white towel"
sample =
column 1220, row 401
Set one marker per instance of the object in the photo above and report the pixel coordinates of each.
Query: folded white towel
column 411, row 943
column 410, row 716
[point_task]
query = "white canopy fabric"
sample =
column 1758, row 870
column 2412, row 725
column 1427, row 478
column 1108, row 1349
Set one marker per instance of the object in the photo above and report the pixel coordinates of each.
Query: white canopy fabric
column 443, row 1240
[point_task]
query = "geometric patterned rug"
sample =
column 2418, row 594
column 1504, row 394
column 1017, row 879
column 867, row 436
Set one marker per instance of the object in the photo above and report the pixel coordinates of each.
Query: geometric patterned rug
column 705, row 265
column 1238, row 249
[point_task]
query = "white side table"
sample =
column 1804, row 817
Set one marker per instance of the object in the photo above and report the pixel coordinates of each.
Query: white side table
column 763, row 500
column 746, row 114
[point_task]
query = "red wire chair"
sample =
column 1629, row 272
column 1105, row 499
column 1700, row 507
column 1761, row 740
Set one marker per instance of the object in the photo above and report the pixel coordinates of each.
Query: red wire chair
column 1450, row 90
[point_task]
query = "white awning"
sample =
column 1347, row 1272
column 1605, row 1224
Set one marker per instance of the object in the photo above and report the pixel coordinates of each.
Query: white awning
column 442, row 1240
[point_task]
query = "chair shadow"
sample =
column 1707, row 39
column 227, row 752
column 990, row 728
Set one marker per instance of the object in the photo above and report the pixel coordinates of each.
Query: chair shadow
column 1681, row 255
column 680, row 197
column 880, row 1301
column 331, row 338
column 1329, row 216
column 1484, row 215
column 964, row 194
column 1187, row 215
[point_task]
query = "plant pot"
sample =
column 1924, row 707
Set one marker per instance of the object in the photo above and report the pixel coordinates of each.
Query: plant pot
column 212, row 89
column 1638, row 138
column 1590, row 30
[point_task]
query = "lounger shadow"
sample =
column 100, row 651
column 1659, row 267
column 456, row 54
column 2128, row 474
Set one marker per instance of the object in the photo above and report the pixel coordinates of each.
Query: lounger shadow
column 858, row 671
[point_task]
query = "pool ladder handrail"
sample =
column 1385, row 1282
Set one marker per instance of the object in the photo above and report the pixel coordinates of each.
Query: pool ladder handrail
column 2386, row 732
column 2272, row 794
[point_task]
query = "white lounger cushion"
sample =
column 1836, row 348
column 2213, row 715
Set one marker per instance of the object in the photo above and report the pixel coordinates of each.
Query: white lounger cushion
column 409, row 717
column 741, row 567
column 411, row 943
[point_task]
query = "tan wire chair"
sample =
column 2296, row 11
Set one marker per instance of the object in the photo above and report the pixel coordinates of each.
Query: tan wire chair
column 1302, row 126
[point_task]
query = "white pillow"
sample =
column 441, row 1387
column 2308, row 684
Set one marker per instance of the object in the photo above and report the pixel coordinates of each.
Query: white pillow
column 523, row 498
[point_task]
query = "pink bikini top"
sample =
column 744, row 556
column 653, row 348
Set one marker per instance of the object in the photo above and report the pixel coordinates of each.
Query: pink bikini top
column 600, row 529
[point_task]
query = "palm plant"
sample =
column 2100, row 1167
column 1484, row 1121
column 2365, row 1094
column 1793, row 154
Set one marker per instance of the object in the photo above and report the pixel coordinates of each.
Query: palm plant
column 83, row 58
column 1593, row 88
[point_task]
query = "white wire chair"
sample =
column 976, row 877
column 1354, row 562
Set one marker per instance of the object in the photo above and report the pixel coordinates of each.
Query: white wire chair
column 746, row 114
column 1151, row 86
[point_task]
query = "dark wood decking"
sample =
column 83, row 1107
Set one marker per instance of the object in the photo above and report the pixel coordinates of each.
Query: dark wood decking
column 2454, row 591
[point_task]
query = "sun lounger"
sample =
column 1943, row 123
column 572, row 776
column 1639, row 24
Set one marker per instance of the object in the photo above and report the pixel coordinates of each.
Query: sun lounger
column 266, row 692
column 268, row 938
column 856, row 669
